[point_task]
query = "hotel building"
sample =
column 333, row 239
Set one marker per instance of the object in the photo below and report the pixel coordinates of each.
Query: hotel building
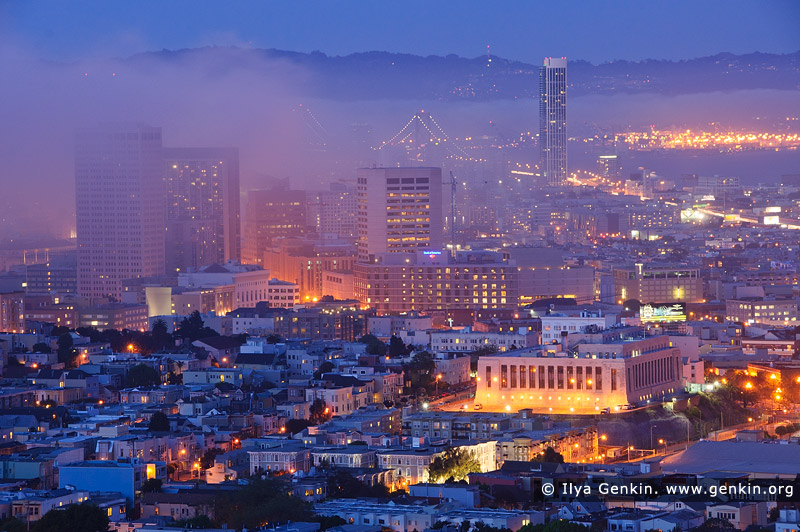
column 432, row 281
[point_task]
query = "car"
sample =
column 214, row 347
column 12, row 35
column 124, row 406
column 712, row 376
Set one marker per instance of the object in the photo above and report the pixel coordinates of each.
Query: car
column 606, row 410
column 478, row 407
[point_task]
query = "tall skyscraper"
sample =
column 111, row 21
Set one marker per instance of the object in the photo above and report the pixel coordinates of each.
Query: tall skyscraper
column 399, row 211
column 119, row 191
column 275, row 213
column 553, row 120
column 202, row 188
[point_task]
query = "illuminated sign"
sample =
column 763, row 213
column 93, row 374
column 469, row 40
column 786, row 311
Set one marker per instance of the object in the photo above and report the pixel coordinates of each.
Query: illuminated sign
column 772, row 220
column 432, row 253
column 662, row 312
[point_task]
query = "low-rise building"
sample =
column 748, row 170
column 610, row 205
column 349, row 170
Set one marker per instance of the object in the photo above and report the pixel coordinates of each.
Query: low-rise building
column 278, row 455
column 358, row 456
column 466, row 340
column 765, row 311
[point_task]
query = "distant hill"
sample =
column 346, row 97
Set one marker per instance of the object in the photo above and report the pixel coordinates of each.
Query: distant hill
column 377, row 75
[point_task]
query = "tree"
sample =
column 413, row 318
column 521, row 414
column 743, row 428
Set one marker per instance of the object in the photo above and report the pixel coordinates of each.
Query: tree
column 715, row 524
column 65, row 352
column 41, row 347
column 261, row 502
column 374, row 345
column 293, row 426
column 774, row 514
column 319, row 412
column 75, row 518
column 198, row 522
column 274, row 338
column 160, row 335
column 480, row 526
column 343, row 485
column 12, row 524
column 328, row 521
column 159, row 422
column 193, row 328
column 58, row 330
column 151, row 485
column 397, row 348
column 454, row 464
column 559, row 525
column 325, row 367
column 142, row 375
column 207, row 460
column 549, row 456
column 421, row 372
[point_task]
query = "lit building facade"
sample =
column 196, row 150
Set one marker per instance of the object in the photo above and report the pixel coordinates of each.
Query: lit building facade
column 600, row 376
column 544, row 283
column 553, row 120
column 557, row 326
column 399, row 211
column 334, row 212
column 306, row 263
column 282, row 294
column 762, row 310
column 658, row 284
column 114, row 316
column 120, row 211
column 270, row 214
column 12, row 312
column 202, row 188
column 433, row 281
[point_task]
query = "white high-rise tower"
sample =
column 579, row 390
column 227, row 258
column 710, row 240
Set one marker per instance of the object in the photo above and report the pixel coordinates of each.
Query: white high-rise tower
column 553, row 120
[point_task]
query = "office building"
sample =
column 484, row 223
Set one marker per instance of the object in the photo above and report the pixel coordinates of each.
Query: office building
column 58, row 275
column 553, row 120
column 600, row 376
column 658, row 284
column 399, row 211
column 608, row 165
column 765, row 311
column 271, row 214
column 202, row 187
column 120, row 210
column 334, row 211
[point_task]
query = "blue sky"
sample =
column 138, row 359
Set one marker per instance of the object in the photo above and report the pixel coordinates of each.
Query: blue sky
column 525, row 30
